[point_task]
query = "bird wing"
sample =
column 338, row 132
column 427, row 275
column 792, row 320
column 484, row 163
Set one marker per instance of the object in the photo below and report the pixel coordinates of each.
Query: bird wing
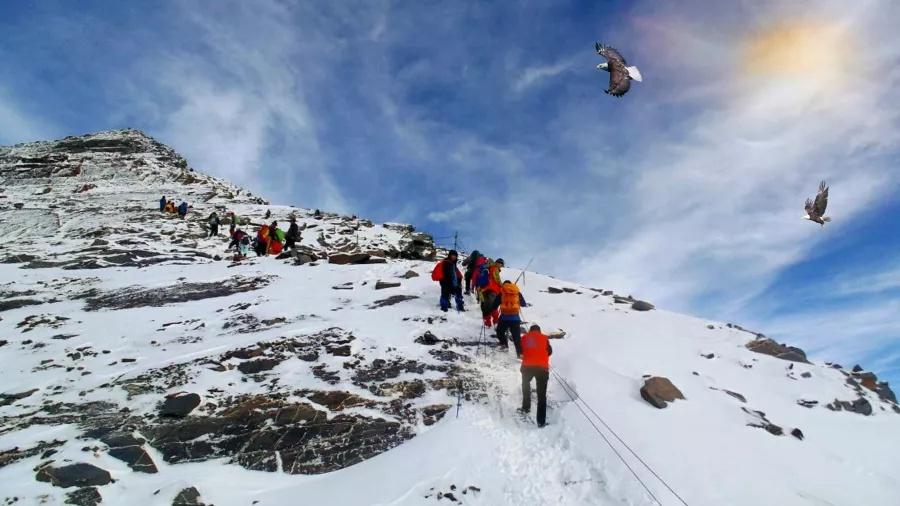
column 821, row 199
column 610, row 53
column 810, row 210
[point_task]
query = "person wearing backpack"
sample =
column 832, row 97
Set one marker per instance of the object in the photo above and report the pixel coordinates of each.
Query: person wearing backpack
column 182, row 209
column 487, row 281
column 509, row 303
column 450, row 278
column 469, row 264
column 213, row 224
column 536, row 351
column 162, row 204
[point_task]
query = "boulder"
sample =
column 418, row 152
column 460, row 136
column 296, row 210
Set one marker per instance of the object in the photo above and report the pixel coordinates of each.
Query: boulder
column 885, row 393
column 658, row 391
column 769, row 347
column 428, row 339
column 554, row 290
column 410, row 274
column 642, row 305
column 187, row 497
column 381, row 285
column 74, row 475
column 797, row 433
column 860, row 406
column 348, row 258
column 258, row 365
column 179, row 405
column 88, row 496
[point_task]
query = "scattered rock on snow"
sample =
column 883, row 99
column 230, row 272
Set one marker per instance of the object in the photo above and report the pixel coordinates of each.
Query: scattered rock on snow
column 348, row 258
column 642, row 305
column 410, row 274
column 188, row 497
column 860, row 406
column 390, row 301
column 88, row 496
column 381, row 285
column 7, row 399
column 179, row 405
column 428, row 339
column 658, row 391
column 767, row 346
column 797, row 433
column 74, row 475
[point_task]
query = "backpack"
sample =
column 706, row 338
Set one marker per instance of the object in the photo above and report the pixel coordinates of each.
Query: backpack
column 484, row 277
column 438, row 273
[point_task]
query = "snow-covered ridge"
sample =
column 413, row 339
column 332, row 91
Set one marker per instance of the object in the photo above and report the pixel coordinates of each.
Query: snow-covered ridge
column 135, row 350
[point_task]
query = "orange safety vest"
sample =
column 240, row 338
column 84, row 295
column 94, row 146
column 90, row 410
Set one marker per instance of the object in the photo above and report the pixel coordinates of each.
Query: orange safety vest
column 509, row 299
column 534, row 350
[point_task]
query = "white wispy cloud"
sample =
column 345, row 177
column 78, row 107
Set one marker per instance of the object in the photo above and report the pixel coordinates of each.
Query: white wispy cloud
column 452, row 214
column 534, row 75
column 17, row 125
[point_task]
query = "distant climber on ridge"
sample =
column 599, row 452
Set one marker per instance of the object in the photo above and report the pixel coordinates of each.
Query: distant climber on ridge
column 450, row 278
column 293, row 235
column 213, row 221
column 509, row 303
column 536, row 351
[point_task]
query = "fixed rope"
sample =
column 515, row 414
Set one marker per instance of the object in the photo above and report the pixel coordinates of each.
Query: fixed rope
column 602, row 435
column 571, row 393
column 610, row 429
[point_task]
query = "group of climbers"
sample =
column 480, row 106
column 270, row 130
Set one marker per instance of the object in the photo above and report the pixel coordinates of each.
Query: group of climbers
column 168, row 206
column 501, row 303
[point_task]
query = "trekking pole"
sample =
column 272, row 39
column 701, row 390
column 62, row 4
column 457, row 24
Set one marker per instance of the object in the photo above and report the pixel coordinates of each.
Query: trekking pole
column 459, row 386
column 523, row 270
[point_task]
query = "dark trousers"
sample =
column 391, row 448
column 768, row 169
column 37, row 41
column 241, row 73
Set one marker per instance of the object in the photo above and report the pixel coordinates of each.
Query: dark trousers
column 513, row 326
column 290, row 243
column 490, row 315
column 542, row 376
column 213, row 230
column 448, row 290
column 468, row 281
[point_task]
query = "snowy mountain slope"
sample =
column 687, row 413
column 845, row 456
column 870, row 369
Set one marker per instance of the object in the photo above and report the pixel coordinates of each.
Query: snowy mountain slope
column 316, row 386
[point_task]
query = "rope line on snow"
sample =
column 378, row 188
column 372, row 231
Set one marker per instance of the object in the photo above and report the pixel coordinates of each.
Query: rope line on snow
column 602, row 435
column 569, row 390
column 630, row 450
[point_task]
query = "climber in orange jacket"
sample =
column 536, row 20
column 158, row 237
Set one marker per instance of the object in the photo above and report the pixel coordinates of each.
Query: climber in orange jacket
column 509, row 303
column 536, row 351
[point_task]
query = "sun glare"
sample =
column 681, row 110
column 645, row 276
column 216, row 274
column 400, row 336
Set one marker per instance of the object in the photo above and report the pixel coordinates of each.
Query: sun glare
column 804, row 50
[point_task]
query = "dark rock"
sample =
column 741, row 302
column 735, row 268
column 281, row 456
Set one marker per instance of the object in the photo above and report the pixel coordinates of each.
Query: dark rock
column 410, row 274
column 769, row 347
column 807, row 404
column 139, row 296
column 641, row 305
column 187, row 497
column 7, row 399
column 88, row 496
column 297, row 413
column 381, row 285
column 797, row 433
column 708, row 355
column 340, row 351
column 885, row 393
column 258, row 365
column 428, row 339
column 658, row 391
column 179, row 405
column 860, row 406
column 390, row 301
column 432, row 414
column 16, row 454
column 857, row 368
column 736, row 395
column 554, row 290
column 618, row 299
column 136, row 458
column 806, row 374
column 74, row 475
column 348, row 258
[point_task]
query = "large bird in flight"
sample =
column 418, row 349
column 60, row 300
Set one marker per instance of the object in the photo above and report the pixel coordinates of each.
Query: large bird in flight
column 815, row 210
column 620, row 74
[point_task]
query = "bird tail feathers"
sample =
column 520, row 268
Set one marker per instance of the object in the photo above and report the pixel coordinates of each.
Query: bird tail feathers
column 826, row 219
column 634, row 73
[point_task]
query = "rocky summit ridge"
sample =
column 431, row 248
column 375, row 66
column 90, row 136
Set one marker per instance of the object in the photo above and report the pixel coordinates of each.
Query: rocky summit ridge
column 144, row 365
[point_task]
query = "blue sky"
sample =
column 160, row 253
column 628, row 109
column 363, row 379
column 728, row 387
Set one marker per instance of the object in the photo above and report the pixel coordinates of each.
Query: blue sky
column 489, row 119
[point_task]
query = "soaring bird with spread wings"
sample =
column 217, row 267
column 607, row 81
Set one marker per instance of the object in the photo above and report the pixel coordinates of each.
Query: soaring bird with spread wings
column 620, row 74
column 815, row 210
